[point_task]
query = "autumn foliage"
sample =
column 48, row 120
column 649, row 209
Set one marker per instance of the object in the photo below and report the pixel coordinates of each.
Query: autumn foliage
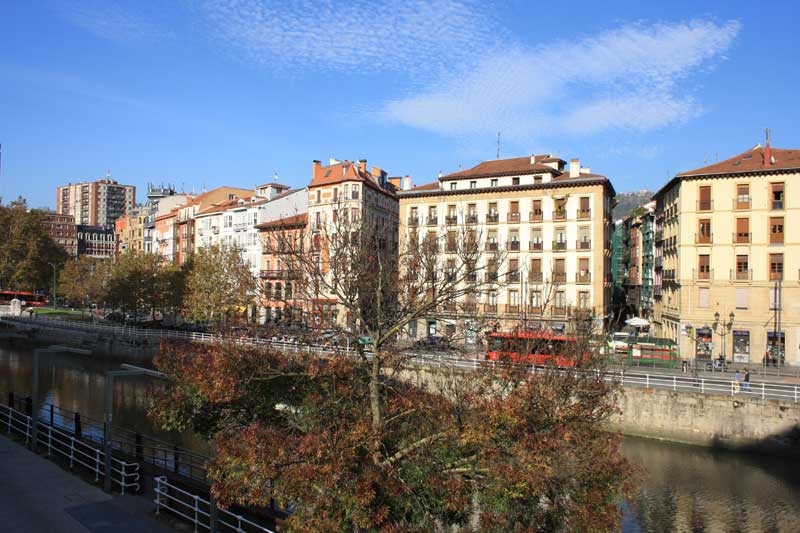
column 489, row 450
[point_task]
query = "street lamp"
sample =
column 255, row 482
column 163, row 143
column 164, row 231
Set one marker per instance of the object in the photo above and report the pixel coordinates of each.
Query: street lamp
column 54, row 283
column 723, row 328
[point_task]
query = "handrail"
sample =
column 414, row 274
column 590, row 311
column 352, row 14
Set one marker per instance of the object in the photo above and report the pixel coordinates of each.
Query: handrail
column 197, row 509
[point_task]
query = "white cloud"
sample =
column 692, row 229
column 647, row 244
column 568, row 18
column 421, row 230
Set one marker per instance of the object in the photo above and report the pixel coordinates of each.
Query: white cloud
column 113, row 22
column 626, row 78
column 404, row 36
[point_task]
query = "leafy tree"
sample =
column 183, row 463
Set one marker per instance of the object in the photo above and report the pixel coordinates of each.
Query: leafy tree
column 142, row 282
column 356, row 444
column 27, row 249
column 218, row 282
column 86, row 280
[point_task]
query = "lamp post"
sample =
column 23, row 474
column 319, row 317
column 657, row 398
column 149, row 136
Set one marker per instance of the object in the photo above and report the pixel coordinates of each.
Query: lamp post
column 723, row 329
column 54, row 283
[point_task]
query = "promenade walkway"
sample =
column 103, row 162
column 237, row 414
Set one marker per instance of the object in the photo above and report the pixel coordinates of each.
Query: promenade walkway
column 38, row 496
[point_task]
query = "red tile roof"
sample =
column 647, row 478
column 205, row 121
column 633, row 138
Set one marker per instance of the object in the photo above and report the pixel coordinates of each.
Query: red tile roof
column 232, row 204
column 507, row 167
column 296, row 220
column 346, row 171
column 752, row 160
column 425, row 187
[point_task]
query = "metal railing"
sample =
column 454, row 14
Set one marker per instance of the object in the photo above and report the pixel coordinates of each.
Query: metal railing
column 76, row 451
column 198, row 510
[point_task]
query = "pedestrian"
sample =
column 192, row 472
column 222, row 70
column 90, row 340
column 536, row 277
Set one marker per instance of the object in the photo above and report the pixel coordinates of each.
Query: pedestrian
column 684, row 366
column 738, row 378
column 746, row 379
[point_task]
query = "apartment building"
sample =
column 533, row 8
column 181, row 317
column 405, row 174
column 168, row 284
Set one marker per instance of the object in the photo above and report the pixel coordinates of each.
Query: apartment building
column 61, row 229
column 727, row 262
column 161, row 200
column 553, row 223
column 184, row 230
column 96, row 241
column 129, row 231
column 281, row 298
column 633, row 264
column 348, row 189
column 96, row 203
column 163, row 235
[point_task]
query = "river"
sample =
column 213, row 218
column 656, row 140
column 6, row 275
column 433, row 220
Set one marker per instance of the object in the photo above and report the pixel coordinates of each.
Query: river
column 682, row 488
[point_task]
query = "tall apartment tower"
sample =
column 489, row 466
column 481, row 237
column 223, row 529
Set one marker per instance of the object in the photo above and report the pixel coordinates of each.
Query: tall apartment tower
column 553, row 220
column 96, row 203
column 727, row 258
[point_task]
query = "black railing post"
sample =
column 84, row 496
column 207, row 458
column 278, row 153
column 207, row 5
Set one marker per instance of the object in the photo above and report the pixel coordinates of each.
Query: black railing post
column 51, row 415
column 139, row 447
column 78, row 428
column 176, row 461
column 11, row 400
column 29, row 406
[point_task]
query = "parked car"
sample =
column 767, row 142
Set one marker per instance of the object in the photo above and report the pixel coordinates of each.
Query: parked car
column 433, row 343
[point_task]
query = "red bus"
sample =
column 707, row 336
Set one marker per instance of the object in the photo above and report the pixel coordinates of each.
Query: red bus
column 28, row 299
column 533, row 347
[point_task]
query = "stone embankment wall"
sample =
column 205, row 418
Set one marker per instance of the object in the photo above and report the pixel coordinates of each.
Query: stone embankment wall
column 741, row 422
column 124, row 348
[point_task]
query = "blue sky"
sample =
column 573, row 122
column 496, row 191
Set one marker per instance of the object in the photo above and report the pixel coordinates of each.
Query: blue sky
column 203, row 93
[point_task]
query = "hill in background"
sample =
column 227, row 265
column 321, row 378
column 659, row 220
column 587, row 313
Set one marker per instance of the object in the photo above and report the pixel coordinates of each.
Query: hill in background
column 628, row 201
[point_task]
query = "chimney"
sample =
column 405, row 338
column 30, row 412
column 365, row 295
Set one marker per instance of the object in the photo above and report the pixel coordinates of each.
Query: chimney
column 333, row 161
column 396, row 181
column 362, row 166
column 574, row 168
column 533, row 159
column 317, row 166
column 376, row 171
column 767, row 152
column 406, row 182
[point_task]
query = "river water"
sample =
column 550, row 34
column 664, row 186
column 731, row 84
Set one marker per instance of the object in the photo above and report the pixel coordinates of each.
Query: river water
column 681, row 488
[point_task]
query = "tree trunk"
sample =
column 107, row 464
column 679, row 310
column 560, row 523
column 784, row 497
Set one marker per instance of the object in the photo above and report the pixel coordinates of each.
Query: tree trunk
column 375, row 407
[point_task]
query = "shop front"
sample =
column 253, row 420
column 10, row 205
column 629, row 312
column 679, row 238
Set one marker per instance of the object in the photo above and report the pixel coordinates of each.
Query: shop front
column 704, row 344
column 741, row 346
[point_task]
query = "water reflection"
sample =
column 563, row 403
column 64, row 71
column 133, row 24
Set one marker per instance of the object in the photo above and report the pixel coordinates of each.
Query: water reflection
column 77, row 383
column 686, row 488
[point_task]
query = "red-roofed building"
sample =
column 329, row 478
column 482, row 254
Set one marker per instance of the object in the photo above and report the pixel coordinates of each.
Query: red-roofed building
column 552, row 221
column 725, row 252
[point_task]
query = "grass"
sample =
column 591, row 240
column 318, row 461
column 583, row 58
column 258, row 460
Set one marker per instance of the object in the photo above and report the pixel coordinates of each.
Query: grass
column 66, row 313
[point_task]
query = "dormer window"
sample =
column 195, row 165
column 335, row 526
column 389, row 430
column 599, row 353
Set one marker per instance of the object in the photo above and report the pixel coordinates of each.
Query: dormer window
column 493, row 183
column 515, row 180
column 453, row 185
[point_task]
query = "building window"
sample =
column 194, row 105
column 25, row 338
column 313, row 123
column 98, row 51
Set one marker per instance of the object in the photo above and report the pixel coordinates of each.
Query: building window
column 742, row 268
column 704, row 204
column 583, row 299
column 776, row 230
column 515, row 181
column 473, row 184
column 536, row 299
column 704, row 266
column 776, row 195
column 536, row 211
column 537, row 179
column 355, row 192
column 704, row 231
column 585, row 211
column 776, row 266
column 560, row 211
column 741, row 346
column 560, row 301
column 335, row 194
column 412, row 329
column 319, row 196
column 741, row 298
column 743, row 196
column 704, row 297
column 742, row 230
column 493, row 183
column 453, row 185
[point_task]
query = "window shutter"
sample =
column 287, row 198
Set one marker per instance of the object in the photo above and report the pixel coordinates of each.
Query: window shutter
column 742, row 225
column 705, row 193
column 741, row 298
column 704, row 299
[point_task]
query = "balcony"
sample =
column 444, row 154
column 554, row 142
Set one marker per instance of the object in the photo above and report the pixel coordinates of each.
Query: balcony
column 705, row 205
column 451, row 248
column 513, row 246
column 492, row 218
column 513, row 276
column 559, row 246
column 585, row 277
column 560, row 214
column 703, row 238
column 513, row 217
column 451, row 220
column 559, row 277
column 512, row 308
column 491, row 277
column 280, row 274
column 584, row 214
column 470, row 307
column 535, row 246
column 413, row 221
column 742, row 275
column 490, row 308
column 560, row 311
column 741, row 237
column 704, row 274
column 471, row 218
column 535, row 277
column 433, row 221
column 491, row 246
column 741, row 203
column 534, row 309
column 583, row 245
column 471, row 277
column 535, row 217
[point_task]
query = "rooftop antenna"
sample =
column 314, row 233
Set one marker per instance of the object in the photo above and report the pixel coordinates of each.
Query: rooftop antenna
column 275, row 176
column 498, row 145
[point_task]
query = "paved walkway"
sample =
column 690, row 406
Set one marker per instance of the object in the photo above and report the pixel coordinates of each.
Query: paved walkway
column 38, row 496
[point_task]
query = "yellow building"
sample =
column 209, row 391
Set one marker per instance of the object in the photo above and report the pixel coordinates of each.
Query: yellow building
column 552, row 224
column 725, row 250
